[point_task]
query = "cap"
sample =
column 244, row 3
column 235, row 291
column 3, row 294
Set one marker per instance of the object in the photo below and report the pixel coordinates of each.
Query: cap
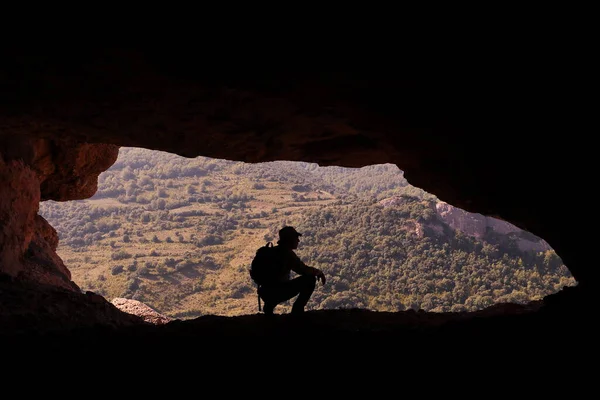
column 288, row 232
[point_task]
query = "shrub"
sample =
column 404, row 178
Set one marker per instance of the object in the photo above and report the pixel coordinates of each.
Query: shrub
column 120, row 255
column 117, row 269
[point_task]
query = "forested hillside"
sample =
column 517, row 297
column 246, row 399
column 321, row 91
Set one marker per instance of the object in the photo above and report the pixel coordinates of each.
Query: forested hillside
column 178, row 234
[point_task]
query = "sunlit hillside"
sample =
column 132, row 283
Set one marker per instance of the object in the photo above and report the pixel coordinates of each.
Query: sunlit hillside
column 179, row 234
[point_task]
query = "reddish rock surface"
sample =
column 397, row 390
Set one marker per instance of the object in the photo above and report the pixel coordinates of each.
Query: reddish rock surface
column 19, row 202
column 140, row 309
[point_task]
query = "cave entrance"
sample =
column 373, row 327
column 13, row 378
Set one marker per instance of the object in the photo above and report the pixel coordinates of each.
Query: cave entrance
column 178, row 234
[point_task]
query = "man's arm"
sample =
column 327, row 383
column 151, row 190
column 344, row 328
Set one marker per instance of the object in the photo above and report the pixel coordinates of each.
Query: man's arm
column 298, row 266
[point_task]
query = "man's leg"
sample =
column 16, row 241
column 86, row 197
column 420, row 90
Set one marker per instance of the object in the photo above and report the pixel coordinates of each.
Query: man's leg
column 268, row 295
column 306, row 284
column 302, row 286
column 268, row 308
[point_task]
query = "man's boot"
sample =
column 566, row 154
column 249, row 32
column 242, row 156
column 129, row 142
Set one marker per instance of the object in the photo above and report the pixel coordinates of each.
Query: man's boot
column 268, row 308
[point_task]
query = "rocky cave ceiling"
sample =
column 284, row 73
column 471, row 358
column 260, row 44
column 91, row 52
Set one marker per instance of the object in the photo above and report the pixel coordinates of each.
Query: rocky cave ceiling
column 497, row 136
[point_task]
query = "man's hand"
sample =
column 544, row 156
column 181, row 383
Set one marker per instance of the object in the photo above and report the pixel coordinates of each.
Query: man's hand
column 320, row 275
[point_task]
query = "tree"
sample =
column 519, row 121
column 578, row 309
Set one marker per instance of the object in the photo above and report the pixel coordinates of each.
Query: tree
column 127, row 174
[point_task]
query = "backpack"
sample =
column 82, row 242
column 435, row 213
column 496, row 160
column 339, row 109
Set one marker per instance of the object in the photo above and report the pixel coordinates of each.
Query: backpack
column 266, row 264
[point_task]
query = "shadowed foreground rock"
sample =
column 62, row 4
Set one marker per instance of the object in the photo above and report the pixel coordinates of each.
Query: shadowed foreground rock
column 65, row 323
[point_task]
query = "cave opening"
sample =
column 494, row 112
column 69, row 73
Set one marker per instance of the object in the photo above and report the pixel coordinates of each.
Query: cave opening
column 178, row 235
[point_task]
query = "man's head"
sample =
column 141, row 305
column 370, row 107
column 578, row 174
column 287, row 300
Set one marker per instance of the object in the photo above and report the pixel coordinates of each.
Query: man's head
column 289, row 236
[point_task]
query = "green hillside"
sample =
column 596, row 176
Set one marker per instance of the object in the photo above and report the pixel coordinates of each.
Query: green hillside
column 178, row 234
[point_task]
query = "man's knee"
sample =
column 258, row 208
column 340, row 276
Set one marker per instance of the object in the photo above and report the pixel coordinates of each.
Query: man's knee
column 310, row 280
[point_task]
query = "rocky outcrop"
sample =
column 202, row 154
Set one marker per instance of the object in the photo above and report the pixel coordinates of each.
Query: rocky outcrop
column 141, row 310
column 75, row 170
column 478, row 225
column 66, row 169
column 471, row 224
column 34, row 169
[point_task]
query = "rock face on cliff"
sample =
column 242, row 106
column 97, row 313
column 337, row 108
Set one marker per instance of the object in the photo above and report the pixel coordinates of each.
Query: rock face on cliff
column 475, row 225
column 478, row 225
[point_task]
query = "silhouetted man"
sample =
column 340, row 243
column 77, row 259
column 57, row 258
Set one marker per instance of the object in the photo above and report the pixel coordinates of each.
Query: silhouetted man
column 285, row 288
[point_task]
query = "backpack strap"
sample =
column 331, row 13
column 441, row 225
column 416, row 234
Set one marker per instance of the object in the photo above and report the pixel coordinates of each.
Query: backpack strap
column 258, row 295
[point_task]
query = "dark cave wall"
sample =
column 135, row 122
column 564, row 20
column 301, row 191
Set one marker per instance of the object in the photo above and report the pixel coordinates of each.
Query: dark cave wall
column 19, row 202
column 502, row 145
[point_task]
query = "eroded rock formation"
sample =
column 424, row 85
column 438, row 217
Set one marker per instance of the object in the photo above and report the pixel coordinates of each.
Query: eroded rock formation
column 477, row 225
column 35, row 169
